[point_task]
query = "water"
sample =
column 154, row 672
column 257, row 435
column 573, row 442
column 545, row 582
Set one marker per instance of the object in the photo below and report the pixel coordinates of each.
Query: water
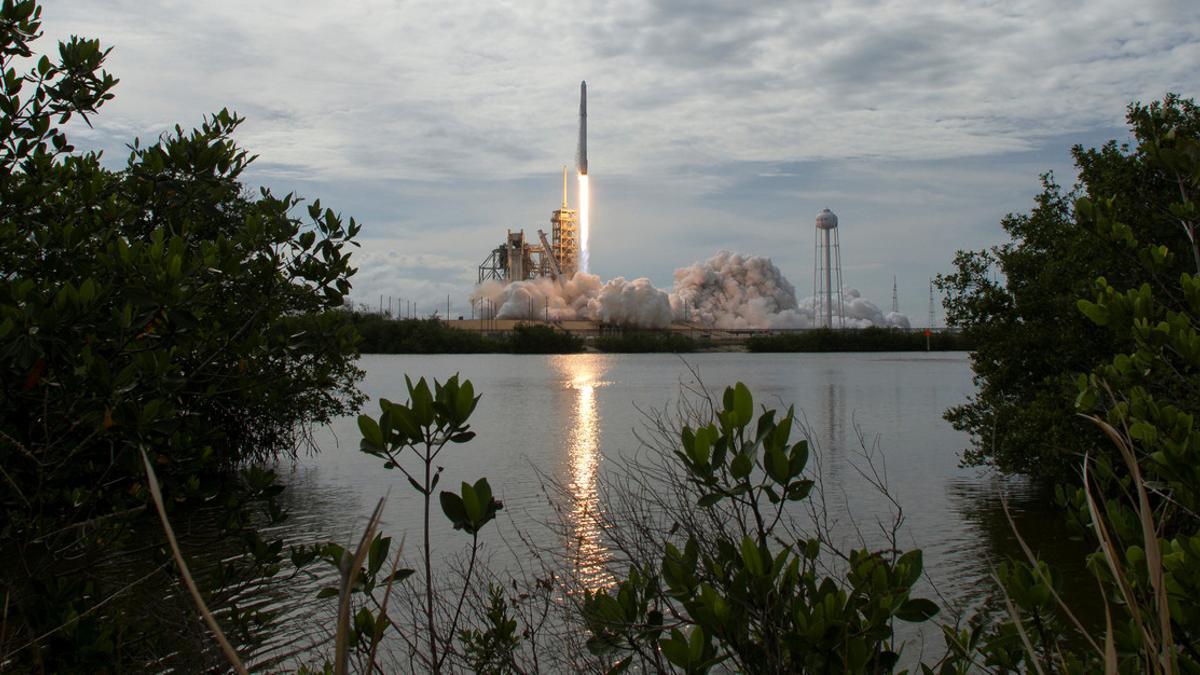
column 567, row 417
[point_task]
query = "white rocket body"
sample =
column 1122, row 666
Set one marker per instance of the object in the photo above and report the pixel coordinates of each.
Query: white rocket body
column 581, row 152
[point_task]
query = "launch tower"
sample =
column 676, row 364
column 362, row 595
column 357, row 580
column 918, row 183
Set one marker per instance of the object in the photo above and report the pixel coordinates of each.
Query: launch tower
column 564, row 235
column 827, row 271
column 565, row 251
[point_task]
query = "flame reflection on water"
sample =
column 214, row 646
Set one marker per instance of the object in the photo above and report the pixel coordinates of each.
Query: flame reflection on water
column 589, row 554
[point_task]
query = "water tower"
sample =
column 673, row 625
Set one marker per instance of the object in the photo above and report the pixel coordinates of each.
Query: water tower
column 827, row 271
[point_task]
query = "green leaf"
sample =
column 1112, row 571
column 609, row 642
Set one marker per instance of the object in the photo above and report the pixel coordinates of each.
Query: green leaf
column 743, row 404
column 777, row 465
column 466, row 401
column 377, row 553
column 798, row 458
column 452, row 506
column 371, row 432
column 799, row 490
column 1143, row 431
column 913, row 563
column 696, row 643
column 364, row 622
column 420, row 401
column 471, row 503
column 676, row 649
column 1097, row 313
column 741, row 465
column 752, row 557
column 917, row 610
column 405, row 422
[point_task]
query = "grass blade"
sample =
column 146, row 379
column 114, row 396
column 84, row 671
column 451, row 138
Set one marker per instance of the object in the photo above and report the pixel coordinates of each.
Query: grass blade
column 156, row 495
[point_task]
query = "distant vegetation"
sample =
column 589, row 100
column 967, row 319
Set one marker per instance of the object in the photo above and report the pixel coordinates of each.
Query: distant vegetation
column 383, row 335
column 857, row 340
column 646, row 342
column 536, row 339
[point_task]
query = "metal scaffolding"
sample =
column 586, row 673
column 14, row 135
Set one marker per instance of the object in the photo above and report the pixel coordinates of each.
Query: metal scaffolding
column 555, row 257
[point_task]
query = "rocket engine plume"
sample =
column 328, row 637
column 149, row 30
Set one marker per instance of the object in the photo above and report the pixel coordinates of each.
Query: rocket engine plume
column 584, row 222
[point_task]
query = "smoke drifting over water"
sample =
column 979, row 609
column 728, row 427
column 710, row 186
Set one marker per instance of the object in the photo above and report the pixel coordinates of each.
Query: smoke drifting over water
column 728, row 290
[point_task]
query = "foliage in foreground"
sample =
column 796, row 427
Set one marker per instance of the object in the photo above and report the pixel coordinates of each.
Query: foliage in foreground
column 759, row 602
column 1137, row 499
column 733, row 588
column 1015, row 303
column 141, row 309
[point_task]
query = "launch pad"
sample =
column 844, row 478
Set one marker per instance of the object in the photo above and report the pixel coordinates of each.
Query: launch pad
column 518, row 259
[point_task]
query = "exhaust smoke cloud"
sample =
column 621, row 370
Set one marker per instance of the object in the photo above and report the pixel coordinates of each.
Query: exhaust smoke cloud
column 729, row 290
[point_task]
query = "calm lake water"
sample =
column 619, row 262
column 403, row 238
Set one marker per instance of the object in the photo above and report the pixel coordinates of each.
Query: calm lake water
column 570, row 416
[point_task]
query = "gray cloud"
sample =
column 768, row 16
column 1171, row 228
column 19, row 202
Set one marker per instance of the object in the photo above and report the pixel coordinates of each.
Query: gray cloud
column 713, row 124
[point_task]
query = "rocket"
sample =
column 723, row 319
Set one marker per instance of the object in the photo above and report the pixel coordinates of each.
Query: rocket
column 581, row 152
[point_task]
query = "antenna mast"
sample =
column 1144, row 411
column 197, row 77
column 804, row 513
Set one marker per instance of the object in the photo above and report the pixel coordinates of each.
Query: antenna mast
column 930, row 324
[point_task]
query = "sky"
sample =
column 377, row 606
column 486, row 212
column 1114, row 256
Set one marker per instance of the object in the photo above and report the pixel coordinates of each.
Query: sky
column 712, row 125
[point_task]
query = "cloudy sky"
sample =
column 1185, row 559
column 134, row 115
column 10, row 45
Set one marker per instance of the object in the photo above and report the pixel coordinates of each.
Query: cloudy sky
column 712, row 125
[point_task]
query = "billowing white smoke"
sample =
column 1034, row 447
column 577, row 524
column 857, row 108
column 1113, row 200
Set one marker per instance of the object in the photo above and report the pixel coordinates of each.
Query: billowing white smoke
column 632, row 303
column 726, row 291
column 628, row 303
column 733, row 291
column 859, row 312
column 539, row 298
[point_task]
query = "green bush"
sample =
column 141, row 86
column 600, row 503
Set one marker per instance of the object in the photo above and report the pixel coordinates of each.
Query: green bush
column 645, row 342
column 141, row 309
column 538, row 339
column 1016, row 302
column 384, row 335
column 746, row 596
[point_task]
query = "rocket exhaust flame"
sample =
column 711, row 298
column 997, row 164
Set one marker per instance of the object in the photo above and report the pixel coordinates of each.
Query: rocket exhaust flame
column 584, row 223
